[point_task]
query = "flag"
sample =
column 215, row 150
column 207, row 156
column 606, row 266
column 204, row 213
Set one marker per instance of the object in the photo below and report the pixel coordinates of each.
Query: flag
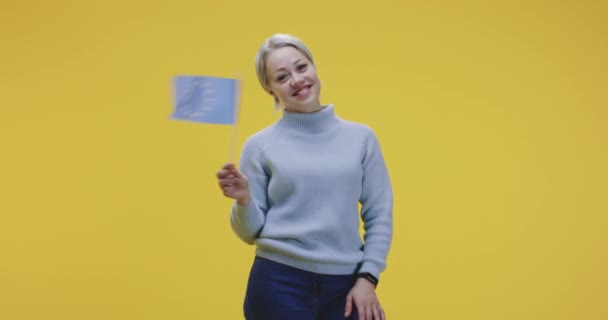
column 205, row 99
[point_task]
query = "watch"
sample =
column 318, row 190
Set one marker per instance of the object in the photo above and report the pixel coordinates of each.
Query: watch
column 369, row 277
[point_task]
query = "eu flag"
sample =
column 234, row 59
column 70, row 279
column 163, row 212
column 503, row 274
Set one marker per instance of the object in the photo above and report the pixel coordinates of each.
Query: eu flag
column 205, row 99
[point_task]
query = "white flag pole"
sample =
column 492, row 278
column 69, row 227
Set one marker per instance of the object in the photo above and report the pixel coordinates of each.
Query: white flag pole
column 237, row 109
column 233, row 143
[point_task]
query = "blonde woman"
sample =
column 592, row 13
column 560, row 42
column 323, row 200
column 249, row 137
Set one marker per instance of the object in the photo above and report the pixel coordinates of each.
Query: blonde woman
column 296, row 199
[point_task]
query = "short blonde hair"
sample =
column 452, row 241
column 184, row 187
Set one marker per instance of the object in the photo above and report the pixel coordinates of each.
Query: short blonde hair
column 275, row 42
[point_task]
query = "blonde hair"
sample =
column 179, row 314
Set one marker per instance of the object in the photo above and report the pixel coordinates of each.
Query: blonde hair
column 275, row 42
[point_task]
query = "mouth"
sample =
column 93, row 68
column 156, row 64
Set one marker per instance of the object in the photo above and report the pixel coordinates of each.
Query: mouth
column 302, row 91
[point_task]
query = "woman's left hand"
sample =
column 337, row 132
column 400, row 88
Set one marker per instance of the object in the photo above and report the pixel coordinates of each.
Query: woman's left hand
column 363, row 295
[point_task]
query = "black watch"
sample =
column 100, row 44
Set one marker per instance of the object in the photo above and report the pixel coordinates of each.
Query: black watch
column 369, row 277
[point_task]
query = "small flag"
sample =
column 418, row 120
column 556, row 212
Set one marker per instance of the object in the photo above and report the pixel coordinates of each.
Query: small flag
column 205, row 99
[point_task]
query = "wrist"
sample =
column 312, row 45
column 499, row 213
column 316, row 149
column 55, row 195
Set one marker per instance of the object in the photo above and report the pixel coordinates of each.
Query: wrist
column 244, row 201
column 366, row 276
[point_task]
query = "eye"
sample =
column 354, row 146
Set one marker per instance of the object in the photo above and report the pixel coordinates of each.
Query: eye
column 302, row 67
column 282, row 77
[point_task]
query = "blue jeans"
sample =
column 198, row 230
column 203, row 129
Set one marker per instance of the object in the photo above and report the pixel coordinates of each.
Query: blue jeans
column 279, row 292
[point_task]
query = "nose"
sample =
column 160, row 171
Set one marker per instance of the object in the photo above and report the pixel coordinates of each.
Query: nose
column 296, row 81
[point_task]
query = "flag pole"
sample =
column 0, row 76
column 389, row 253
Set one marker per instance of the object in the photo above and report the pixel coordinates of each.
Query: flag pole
column 233, row 143
column 237, row 107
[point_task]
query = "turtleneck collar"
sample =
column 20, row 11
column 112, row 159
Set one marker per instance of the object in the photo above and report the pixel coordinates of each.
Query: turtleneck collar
column 311, row 122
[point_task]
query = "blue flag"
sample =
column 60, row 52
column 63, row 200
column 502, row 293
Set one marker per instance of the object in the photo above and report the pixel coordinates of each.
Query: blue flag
column 205, row 99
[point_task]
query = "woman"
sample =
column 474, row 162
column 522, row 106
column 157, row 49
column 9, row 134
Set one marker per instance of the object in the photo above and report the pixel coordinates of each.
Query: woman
column 296, row 198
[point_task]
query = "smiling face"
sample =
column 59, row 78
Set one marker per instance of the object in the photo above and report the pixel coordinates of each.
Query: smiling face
column 293, row 80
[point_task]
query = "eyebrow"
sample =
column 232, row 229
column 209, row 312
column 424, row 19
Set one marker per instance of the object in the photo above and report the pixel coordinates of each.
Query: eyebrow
column 294, row 63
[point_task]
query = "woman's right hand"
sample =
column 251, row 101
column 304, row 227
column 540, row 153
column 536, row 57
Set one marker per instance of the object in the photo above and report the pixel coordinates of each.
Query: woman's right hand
column 234, row 184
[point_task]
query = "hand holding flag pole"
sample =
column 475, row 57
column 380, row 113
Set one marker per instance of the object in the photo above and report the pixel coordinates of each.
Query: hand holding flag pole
column 208, row 100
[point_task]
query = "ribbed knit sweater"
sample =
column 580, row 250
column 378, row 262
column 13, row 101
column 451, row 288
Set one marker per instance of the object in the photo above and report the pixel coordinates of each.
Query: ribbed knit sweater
column 307, row 174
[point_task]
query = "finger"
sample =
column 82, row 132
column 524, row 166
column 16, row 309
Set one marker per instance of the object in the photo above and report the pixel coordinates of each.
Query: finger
column 376, row 313
column 226, row 183
column 237, row 173
column 382, row 313
column 230, row 192
column 369, row 313
column 223, row 174
column 234, row 170
column 361, row 312
column 239, row 177
column 349, row 305
column 228, row 173
column 229, row 166
column 242, row 183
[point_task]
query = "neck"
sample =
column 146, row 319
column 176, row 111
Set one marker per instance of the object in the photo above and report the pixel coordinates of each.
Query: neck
column 312, row 121
column 306, row 109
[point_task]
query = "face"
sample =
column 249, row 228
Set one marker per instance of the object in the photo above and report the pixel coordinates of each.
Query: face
column 293, row 80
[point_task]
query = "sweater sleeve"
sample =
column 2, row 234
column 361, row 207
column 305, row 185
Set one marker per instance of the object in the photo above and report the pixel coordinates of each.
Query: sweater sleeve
column 376, row 208
column 248, row 221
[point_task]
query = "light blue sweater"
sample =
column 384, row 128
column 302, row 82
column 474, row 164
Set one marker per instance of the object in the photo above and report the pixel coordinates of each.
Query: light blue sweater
column 307, row 174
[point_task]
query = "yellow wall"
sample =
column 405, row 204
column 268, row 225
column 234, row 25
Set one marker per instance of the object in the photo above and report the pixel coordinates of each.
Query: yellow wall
column 492, row 116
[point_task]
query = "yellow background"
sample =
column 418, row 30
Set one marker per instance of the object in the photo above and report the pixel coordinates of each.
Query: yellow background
column 492, row 116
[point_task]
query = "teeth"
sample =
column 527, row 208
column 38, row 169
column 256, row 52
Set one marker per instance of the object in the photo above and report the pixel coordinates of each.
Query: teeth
column 300, row 91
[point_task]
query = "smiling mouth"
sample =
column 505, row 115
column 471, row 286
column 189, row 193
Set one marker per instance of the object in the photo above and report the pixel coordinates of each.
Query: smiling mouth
column 302, row 91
